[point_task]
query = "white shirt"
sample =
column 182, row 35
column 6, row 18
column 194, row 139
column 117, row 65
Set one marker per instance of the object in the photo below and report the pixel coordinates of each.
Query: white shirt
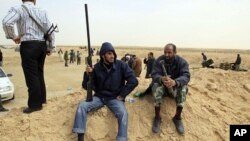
column 27, row 29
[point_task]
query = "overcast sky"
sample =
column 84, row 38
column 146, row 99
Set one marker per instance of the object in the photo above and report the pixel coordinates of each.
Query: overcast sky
column 186, row 23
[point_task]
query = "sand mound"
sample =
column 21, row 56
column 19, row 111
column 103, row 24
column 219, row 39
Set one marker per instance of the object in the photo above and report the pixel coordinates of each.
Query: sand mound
column 216, row 99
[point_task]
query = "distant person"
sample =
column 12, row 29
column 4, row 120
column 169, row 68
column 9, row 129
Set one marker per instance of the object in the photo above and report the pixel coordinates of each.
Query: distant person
column 71, row 56
column 236, row 64
column 66, row 58
column 149, row 62
column 134, row 63
column 97, row 52
column 113, row 80
column 60, row 53
column 173, row 85
column 74, row 56
column 1, row 58
column 206, row 63
column 127, row 59
column 33, row 48
column 204, row 60
column 2, row 109
column 92, row 51
column 78, row 56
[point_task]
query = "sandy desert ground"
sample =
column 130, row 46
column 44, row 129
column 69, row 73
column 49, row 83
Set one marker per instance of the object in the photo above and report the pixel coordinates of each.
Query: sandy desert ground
column 216, row 99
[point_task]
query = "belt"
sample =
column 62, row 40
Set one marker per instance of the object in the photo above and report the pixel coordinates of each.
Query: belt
column 33, row 41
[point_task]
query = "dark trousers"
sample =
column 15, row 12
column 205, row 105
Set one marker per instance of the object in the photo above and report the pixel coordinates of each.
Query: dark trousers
column 33, row 55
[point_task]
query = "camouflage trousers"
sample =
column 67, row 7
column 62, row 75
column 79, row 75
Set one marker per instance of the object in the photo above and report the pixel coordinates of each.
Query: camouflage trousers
column 160, row 90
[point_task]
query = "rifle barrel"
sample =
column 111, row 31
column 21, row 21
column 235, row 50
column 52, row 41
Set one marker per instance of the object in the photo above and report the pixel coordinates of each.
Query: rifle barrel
column 89, row 60
column 88, row 34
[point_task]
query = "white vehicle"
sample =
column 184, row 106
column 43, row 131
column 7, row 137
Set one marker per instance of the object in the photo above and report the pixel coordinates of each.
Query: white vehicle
column 6, row 86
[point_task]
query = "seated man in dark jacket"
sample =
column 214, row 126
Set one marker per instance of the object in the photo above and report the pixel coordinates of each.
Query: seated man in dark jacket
column 113, row 80
column 170, row 77
column 236, row 65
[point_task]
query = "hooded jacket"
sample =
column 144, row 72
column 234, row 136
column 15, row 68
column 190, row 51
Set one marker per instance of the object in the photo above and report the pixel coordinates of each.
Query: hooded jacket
column 178, row 70
column 119, row 81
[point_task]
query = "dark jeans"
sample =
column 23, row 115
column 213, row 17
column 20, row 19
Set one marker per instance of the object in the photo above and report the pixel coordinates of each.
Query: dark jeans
column 33, row 55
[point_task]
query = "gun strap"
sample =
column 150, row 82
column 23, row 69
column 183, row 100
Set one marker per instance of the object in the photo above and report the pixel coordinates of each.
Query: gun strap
column 37, row 23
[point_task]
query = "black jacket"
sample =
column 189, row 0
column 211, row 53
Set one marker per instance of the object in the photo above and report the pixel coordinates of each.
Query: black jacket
column 120, row 80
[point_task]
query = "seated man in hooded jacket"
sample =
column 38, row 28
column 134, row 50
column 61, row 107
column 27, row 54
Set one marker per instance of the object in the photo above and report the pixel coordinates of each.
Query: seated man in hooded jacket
column 112, row 81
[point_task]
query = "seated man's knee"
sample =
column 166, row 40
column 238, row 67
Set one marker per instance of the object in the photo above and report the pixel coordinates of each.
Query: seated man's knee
column 181, row 95
column 121, row 113
column 83, row 106
column 154, row 86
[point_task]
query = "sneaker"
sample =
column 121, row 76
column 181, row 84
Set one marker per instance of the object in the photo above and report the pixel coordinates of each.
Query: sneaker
column 139, row 94
column 179, row 126
column 156, row 125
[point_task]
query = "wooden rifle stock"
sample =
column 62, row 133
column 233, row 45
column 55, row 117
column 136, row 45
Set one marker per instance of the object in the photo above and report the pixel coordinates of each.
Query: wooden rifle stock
column 89, row 58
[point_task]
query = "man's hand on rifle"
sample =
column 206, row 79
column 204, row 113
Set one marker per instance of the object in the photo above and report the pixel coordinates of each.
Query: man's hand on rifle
column 120, row 98
column 89, row 69
column 168, row 82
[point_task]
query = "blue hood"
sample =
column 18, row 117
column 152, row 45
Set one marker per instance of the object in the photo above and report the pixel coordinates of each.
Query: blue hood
column 105, row 48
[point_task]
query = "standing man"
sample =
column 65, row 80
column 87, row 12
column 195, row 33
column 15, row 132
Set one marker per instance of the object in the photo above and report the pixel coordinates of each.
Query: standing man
column 113, row 80
column 71, row 56
column 66, row 58
column 177, row 79
column 60, row 53
column 1, row 58
column 33, row 48
column 149, row 62
column 78, row 58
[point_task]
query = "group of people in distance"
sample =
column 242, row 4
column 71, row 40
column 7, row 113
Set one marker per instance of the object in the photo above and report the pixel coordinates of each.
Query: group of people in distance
column 70, row 57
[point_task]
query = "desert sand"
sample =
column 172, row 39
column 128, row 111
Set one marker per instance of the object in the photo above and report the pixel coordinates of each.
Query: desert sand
column 216, row 99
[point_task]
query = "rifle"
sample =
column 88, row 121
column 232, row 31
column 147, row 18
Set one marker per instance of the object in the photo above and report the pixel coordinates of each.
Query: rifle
column 50, row 31
column 48, row 38
column 89, row 58
column 170, row 90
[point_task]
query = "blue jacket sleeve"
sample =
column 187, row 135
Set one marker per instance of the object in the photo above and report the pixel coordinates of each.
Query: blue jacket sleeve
column 157, row 72
column 131, row 81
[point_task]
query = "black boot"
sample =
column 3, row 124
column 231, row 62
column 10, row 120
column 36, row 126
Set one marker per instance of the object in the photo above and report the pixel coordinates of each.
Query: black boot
column 177, row 120
column 156, row 125
column 157, row 121
column 81, row 137
column 179, row 125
